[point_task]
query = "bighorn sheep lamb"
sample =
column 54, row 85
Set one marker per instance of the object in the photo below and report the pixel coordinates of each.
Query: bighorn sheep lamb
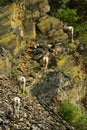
column 22, row 82
column 46, row 61
column 16, row 106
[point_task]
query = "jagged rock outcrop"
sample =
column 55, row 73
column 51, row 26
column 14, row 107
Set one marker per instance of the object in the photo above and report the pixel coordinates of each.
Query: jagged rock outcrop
column 27, row 18
column 37, row 19
column 35, row 10
column 48, row 23
column 30, row 17
column 12, row 30
column 38, row 33
column 17, row 25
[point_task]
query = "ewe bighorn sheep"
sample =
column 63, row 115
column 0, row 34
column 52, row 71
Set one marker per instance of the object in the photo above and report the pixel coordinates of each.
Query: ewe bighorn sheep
column 16, row 106
column 46, row 61
column 69, row 30
column 22, row 82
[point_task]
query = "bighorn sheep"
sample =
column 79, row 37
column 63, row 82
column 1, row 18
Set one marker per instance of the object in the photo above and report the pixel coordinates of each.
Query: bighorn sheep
column 16, row 106
column 46, row 61
column 69, row 30
column 22, row 82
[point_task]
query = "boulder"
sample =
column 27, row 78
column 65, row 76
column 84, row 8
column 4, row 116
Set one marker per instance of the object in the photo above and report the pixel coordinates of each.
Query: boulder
column 67, row 65
column 49, row 23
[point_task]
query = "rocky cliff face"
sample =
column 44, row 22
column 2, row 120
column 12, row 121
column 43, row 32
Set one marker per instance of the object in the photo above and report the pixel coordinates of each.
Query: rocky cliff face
column 31, row 26
column 38, row 20
column 23, row 21
column 29, row 33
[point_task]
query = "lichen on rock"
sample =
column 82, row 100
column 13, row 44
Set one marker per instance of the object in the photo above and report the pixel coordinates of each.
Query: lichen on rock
column 67, row 65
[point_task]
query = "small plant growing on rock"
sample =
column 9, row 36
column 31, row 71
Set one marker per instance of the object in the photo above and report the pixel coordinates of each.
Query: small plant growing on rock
column 24, row 90
column 68, row 15
column 73, row 46
column 14, row 71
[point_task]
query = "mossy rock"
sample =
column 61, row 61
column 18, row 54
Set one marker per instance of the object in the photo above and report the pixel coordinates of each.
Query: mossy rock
column 60, row 35
column 67, row 65
column 7, row 38
column 49, row 23
column 8, row 41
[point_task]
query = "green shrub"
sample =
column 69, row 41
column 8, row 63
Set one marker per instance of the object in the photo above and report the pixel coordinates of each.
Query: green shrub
column 70, row 112
column 73, row 114
column 73, row 46
column 68, row 15
column 81, row 28
column 82, row 123
column 83, row 37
